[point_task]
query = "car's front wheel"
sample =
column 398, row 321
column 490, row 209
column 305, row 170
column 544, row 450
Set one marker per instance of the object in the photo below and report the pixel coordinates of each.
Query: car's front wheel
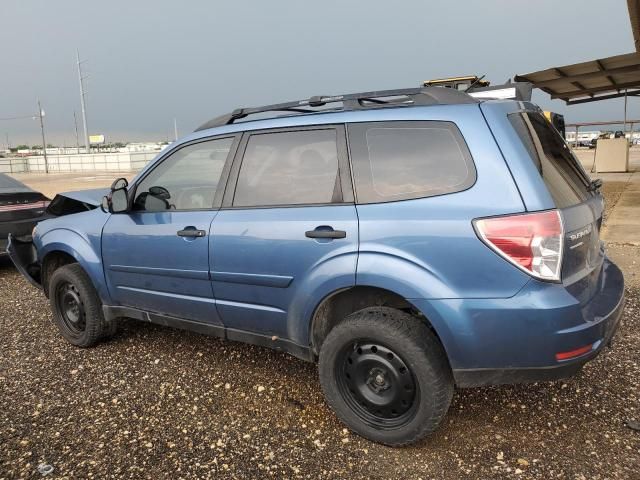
column 386, row 376
column 77, row 309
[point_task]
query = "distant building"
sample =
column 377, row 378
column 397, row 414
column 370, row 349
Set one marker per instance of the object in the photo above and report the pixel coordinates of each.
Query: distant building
column 143, row 147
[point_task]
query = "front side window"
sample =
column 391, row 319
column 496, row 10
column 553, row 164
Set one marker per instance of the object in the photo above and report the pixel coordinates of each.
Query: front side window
column 405, row 160
column 186, row 180
column 289, row 168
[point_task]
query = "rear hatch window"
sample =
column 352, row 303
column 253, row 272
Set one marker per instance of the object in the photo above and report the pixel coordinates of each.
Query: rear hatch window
column 563, row 175
column 569, row 186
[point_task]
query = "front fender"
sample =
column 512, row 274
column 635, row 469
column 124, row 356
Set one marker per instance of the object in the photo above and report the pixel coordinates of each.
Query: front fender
column 83, row 248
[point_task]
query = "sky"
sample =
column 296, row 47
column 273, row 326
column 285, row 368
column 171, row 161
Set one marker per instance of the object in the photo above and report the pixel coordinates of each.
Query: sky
column 150, row 61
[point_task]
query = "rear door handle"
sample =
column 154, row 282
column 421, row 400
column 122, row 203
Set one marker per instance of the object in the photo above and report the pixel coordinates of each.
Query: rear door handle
column 191, row 232
column 325, row 233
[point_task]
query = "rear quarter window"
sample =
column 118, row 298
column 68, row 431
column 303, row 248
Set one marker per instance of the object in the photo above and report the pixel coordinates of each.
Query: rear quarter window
column 561, row 172
column 410, row 159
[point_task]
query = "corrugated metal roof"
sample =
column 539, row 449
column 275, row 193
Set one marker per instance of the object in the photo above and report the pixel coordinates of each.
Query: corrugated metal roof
column 588, row 81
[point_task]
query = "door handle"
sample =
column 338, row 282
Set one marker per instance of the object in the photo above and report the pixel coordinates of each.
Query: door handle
column 191, row 232
column 325, row 233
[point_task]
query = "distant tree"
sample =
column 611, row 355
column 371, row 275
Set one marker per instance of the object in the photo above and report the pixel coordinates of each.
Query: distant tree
column 36, row 147
column 22, row 147
column 49, row 145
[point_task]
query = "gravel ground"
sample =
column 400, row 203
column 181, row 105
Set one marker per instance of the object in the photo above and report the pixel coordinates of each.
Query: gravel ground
column 155, row 402
column 161, row 403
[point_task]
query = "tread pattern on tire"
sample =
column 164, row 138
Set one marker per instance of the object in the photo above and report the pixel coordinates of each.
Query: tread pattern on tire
column 419, row 340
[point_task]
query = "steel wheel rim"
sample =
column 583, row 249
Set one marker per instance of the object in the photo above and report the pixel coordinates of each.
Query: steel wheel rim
column 377, row 384
column 71, row 308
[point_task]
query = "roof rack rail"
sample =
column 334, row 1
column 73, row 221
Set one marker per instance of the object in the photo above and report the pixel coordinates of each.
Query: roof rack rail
column 351, row 101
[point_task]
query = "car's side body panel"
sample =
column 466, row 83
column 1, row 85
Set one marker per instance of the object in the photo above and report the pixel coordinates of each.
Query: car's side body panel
column 79, row 235
column 148, row 266
column 267, row 279
column 427, row 248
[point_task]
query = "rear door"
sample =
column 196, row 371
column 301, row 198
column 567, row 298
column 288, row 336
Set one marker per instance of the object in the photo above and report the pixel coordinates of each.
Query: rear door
column 569, row 186
column 288, row 227
column 156, row 257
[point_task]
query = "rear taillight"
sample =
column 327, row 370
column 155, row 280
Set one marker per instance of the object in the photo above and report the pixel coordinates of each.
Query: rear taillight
column 532, row 242
column 12, row 207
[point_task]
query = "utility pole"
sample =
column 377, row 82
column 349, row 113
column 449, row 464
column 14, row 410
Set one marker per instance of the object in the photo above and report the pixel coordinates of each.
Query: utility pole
column 75, row 123
column 84, row 110
column 44, row 143
column 175, row 129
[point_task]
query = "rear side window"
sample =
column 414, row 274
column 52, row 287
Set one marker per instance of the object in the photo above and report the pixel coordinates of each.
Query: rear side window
column 405, row 160
column 562, row 173
column 289, row 168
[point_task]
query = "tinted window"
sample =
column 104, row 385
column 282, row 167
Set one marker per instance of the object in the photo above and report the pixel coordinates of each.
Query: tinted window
column 562, row 173
column 289, row 168
column 186, row 180
column 403, row 160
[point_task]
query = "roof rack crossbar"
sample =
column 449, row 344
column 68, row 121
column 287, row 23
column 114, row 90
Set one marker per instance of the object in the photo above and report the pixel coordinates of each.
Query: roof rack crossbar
column 352, row 101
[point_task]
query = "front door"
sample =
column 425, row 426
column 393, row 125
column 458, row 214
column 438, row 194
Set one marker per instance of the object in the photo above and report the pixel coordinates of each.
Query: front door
column 289, row 226
column 156, row 256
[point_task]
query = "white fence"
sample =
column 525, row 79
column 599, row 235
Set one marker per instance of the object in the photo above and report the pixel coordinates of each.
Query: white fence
column 115, row 162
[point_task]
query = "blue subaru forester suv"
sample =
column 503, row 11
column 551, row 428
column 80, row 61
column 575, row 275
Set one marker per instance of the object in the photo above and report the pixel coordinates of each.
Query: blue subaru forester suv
column 410, row 241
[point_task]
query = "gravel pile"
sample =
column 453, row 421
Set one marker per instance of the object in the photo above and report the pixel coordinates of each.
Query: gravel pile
column 161, row 403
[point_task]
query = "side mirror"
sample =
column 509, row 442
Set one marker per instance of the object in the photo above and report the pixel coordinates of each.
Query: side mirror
column 160, row 193
column 116, row 202
column 119, row 183
column 119, row 201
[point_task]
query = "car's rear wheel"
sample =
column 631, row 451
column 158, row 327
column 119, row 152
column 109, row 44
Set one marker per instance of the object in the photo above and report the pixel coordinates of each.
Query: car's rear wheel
column 386, row 376
column 77, row 309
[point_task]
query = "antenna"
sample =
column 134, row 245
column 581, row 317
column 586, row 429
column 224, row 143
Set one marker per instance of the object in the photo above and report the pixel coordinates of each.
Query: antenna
column 84, row 109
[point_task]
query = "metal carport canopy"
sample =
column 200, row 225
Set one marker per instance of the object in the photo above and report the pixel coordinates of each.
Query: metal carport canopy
column 599, row 79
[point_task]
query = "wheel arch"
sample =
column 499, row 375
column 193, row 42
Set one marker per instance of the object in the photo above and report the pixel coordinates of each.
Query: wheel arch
column 334, row 307
column 62, row 247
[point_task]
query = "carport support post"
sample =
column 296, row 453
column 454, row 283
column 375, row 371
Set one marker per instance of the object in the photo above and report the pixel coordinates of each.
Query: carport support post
column 576, row 143
column 44, row 143
column 625, row 113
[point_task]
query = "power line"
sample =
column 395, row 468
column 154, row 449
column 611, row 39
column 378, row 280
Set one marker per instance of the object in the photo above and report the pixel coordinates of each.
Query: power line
column 20, row 118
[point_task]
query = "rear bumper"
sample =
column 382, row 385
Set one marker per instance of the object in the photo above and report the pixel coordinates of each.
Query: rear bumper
column 516, row 340
column 24, row 256
column 564, row 369
column 17, row 228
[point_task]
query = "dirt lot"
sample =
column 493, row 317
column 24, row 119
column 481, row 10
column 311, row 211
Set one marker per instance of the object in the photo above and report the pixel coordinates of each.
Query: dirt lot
column 53, row 183
column 161, row 403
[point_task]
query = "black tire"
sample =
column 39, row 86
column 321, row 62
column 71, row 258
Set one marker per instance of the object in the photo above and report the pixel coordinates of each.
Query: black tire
column 77, row 309
column 386, row 376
